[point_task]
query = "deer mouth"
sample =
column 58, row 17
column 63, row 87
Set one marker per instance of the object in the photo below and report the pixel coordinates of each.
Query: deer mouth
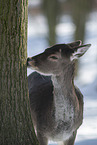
column 31, row 63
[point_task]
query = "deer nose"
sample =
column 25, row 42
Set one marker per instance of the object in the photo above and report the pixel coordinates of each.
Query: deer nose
column 28, row 60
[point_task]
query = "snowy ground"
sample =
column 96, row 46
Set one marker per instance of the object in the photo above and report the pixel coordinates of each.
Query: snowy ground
column 87, row 80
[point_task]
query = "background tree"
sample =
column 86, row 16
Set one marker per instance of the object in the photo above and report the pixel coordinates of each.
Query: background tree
column 16, row 126
column 80, row 11
column 51, row 9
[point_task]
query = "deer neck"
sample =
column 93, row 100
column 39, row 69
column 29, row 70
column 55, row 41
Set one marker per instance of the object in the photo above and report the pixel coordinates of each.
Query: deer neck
column 64, row 81
column 64, row 95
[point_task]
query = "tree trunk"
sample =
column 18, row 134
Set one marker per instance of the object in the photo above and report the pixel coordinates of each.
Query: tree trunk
column 80, row 10
column 51, row 9
column 16, row 126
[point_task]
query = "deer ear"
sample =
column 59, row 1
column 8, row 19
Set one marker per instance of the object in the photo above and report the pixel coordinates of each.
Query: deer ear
column 75, row 44
column 79, row 51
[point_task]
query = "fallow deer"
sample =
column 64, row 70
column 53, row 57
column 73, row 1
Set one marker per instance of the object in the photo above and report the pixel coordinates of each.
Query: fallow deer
column 56, row 103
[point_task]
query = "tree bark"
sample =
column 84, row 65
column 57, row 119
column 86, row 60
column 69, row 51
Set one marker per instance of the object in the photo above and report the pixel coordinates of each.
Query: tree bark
column 16, row 126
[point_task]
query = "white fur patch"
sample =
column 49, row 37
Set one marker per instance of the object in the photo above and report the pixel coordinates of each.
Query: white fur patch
column 63, row 108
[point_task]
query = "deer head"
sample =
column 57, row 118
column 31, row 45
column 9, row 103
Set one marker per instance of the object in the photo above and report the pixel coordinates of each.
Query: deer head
column 59, row 56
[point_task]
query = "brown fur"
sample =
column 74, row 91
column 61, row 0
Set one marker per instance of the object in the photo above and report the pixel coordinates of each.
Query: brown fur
column 56, row 104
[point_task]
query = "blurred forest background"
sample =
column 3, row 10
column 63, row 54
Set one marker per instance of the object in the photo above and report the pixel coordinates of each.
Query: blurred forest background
column 64, row 21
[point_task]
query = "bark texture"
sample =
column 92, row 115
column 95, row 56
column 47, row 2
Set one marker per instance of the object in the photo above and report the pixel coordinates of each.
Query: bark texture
column 16, row 126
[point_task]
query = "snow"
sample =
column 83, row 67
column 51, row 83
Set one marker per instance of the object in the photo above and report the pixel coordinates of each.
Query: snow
column 87, row 75
column 88, row 130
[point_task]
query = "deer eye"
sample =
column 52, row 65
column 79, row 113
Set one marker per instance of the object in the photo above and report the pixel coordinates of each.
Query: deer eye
column 53, row 57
